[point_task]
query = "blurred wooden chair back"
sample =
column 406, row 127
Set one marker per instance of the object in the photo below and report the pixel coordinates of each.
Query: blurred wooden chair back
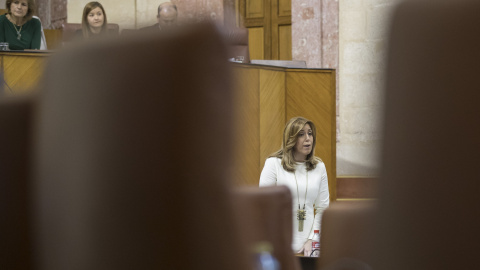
column 15, row 185
column 428, row 211
column 265, row 214
column 347, row 235
column 133, row 155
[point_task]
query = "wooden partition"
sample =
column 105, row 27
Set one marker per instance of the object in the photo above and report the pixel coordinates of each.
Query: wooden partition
column 266, row 98
column 21, row 71
column 54, row 38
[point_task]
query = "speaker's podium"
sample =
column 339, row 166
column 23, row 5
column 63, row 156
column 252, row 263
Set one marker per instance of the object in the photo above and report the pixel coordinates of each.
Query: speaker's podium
column 267, row 96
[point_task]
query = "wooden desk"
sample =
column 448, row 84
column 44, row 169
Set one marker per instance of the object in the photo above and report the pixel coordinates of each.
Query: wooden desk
column 266, row 97
column 21, row 70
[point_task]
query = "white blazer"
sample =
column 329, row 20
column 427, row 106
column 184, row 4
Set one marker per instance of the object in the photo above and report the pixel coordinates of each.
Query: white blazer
column 317, row 199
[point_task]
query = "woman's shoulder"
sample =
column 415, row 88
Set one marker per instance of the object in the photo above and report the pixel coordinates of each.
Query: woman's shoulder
column 273, row 161
column 3, row 18
column 320, row 165
column 34, row 22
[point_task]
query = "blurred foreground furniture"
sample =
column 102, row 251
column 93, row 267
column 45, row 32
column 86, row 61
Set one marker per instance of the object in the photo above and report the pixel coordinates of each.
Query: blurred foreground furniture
column 69, row 29
column 132, row 156
column 127, row 31
column 237, row 43
column 346, row 235
column 15, row 184
column 429, row 184
column 265, row 214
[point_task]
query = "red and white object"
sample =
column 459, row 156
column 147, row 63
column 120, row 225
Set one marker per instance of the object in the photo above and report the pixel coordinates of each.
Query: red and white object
column 316, row 244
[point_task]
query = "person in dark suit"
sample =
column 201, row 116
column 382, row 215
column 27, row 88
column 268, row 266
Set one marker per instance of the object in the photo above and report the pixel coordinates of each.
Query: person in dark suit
column 167, row 18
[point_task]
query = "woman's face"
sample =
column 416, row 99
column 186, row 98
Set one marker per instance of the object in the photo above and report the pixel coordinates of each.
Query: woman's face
column 95, row 18
column 304, row 144
column 19, row 8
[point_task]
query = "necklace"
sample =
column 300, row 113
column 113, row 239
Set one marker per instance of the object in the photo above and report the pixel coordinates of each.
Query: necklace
column 301, row 213
column 19, row 35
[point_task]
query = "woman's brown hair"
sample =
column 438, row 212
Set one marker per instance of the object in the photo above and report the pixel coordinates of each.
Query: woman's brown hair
column 30, row 12
column 85, row 26
column 290, row 135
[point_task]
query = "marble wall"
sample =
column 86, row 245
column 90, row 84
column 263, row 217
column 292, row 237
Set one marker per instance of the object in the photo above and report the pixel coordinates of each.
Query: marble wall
column 315, row 32
column 350, row 36
column 363, row 45
column 52, row 13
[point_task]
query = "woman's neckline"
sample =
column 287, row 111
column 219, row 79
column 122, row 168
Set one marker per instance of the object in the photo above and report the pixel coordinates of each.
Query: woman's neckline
column 9, row 17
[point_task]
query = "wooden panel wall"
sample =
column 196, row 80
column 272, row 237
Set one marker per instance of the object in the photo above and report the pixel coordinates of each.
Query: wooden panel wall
column 21, row 71
column 357, row 187
column 311, row 94
column 247, row 133
column 285, row 42
column 274, row 18
column 284, row 7
column 256, row 41
column 281, row 21
column 272, row 113
column 255, row 9
column 266, row 98
column 54, row 38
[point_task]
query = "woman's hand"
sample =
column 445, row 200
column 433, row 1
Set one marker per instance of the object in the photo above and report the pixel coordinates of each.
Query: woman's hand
column 307, row 248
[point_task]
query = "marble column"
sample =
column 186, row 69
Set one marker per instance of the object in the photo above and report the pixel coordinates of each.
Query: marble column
column 197, row 11
column 315, row 32
column 52, row 13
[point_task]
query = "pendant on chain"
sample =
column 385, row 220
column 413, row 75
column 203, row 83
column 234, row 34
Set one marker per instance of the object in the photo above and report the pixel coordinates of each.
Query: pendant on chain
column 301, row 214
column 19, row 36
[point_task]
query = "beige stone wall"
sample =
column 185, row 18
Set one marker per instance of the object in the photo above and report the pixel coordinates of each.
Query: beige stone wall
column 363, row 27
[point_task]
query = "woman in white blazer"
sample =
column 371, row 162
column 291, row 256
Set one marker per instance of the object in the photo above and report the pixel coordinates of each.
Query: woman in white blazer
column 296, row 167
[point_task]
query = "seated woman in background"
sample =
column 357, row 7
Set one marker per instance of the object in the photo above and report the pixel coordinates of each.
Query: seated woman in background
column 94, row 21
column 296, row 167
column 18, row 28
